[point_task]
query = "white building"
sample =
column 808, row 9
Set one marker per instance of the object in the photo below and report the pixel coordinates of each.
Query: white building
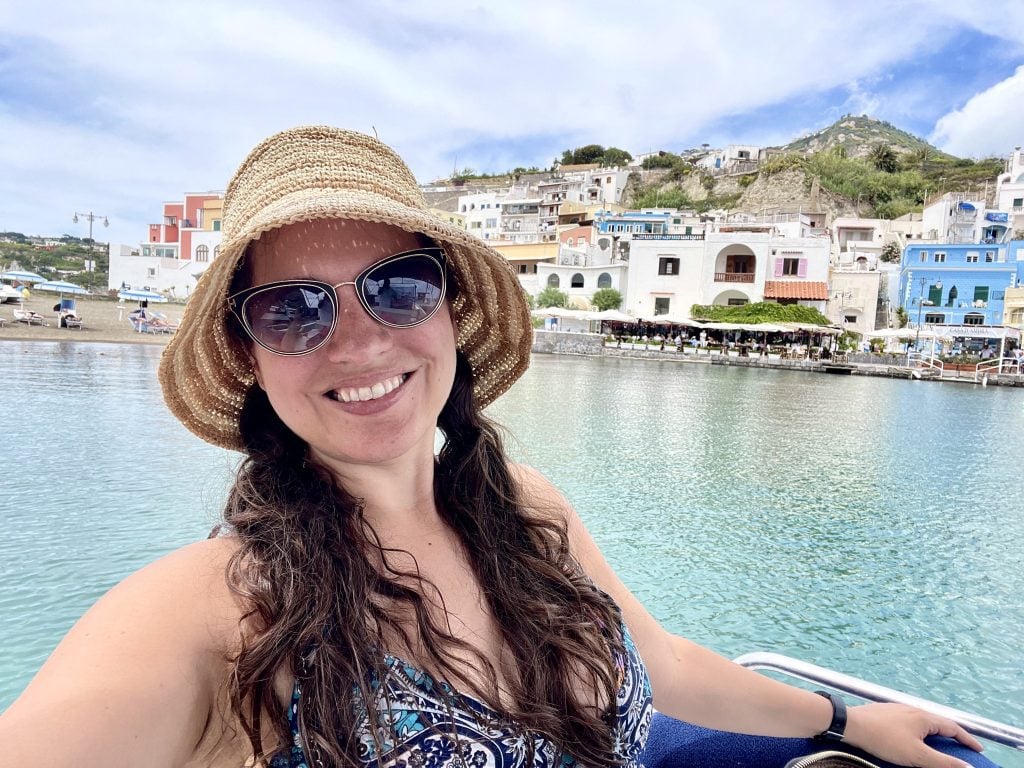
column 953, row 218
column 670, row 273
column 1010, row 189
column 482, row 212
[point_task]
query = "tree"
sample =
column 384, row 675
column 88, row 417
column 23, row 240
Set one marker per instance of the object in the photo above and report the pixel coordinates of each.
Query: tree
column 530, row 301
column 901, row 317
column 615, row 156
column 884, row 158
column 591, row 153
column 606, row 298
column 552, row 297
column 891, row 253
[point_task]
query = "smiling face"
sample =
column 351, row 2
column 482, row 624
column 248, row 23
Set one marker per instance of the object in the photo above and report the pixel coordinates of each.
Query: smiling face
column 371, row 394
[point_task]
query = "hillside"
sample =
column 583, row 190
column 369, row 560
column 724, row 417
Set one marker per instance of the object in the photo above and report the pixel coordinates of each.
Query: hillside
column 858, row 135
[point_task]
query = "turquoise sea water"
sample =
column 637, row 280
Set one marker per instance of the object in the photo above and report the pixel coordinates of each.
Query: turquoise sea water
column 868, row 525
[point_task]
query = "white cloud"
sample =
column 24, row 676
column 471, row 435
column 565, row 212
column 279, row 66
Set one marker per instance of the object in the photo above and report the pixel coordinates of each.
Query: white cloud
column 990, row 123
column 132, row 103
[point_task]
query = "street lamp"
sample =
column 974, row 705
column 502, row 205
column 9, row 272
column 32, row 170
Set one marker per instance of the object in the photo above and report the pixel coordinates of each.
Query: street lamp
column 920, row 305
column 90, row 217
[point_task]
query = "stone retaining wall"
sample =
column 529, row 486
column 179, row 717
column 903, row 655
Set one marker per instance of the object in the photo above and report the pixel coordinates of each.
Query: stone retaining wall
column 566, row 343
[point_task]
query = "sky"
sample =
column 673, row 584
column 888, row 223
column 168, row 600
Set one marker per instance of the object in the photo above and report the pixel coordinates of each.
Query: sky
column 113, row 108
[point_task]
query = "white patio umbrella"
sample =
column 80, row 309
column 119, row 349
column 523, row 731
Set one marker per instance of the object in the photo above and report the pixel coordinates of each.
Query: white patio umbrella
column 576, row 314
column 613, row 315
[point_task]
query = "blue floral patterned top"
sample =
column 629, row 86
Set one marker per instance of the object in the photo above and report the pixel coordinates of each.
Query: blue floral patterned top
column 433, row 726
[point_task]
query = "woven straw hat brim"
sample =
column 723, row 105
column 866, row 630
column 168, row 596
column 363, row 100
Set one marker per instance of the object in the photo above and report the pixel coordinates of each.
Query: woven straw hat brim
column 205, row 371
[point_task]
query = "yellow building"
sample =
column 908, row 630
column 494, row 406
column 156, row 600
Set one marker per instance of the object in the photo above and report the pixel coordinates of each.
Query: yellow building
column 1013, row 307
column 213, row 212
column 457, row 220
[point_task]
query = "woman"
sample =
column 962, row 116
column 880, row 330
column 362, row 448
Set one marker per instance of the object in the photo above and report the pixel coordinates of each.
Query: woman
column 370, row 601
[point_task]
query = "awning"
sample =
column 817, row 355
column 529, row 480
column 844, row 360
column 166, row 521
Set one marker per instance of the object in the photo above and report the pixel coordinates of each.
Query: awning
column 965, row 206
column 795, row 289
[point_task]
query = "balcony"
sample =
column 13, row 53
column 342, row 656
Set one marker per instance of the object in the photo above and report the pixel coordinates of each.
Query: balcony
column 734, row 277
column 650, row 236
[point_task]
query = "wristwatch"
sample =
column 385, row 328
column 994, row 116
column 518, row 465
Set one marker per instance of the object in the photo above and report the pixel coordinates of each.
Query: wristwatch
column 837, row 727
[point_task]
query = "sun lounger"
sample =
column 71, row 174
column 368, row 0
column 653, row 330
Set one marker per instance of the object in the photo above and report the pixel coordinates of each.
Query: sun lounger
column 29, row 317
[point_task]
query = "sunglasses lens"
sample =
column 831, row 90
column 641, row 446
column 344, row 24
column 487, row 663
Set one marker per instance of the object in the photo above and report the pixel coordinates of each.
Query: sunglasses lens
column 404, row 291
column 290, row 318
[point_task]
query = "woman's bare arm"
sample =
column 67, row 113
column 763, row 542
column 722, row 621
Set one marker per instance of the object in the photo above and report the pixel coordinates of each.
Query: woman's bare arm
column 135, row 681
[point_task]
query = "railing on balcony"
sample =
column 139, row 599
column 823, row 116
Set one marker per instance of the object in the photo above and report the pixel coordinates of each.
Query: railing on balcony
column 650, row 236
column 734, row 277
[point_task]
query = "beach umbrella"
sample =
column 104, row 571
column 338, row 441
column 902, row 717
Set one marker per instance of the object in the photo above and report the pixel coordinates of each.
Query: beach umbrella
column 59, row 286
column 22, row 276
column 136, row 294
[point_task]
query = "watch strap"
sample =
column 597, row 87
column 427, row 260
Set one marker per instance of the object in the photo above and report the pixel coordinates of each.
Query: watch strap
column 837, row 727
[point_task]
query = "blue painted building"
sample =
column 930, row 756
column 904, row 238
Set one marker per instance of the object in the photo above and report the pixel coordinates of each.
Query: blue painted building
column 633, row 222
column 959, row 283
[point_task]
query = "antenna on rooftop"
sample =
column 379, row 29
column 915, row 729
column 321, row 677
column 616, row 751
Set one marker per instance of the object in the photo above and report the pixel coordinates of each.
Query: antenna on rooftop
column 375, row 132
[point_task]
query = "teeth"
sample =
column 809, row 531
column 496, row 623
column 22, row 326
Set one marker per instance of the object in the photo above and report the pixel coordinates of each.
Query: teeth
column 359, row 394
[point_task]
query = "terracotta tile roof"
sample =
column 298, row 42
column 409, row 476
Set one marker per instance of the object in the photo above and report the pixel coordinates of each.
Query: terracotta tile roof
column 795, row 289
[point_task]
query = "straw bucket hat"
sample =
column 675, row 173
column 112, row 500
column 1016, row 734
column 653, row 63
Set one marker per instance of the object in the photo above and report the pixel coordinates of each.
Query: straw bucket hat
column 318, row 172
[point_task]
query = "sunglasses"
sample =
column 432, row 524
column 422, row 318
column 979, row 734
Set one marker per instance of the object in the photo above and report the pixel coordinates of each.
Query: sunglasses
column 296, row 317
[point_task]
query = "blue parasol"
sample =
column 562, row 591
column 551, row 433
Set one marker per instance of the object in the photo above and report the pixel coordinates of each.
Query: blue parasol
column 59, row 286
column 133, row 294
column 22, row 276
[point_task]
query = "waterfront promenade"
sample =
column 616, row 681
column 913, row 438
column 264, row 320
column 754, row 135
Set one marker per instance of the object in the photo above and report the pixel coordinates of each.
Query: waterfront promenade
column 860, row 364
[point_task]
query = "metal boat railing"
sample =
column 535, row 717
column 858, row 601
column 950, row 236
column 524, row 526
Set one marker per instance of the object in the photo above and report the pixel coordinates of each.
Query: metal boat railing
column 1000, row 366
column 982, row 727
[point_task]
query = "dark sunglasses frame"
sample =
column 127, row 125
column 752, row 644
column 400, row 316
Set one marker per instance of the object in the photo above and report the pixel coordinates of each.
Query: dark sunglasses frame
column 237, row 302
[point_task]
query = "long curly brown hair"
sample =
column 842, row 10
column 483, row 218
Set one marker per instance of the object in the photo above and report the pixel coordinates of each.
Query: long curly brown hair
column 321, row 596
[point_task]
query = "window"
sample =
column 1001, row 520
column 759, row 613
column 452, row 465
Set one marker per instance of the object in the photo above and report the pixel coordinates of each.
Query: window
column 972, row 257
column 849, row 318
column 990, row 256
column 577, row 281
column 216, row 251
column 145, row 250
column 924, row 256
column 791, row 267
column 668, row 266
column 661, row 305
column 216, row 225
column 974, row 319
column 552, row 281
column 934, row 317
column 202, row 253
column 980, row 293
column 474, row 225
column 1018, row 202
column 151, row 272
column 165, row 253
column 736, row 302
column 522, row 269
column 170, row 221
column 492, row 223
column 940, row 257
column 604, row 280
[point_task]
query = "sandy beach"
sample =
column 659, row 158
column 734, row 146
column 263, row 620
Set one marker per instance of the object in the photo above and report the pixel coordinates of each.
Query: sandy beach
column 102, row 320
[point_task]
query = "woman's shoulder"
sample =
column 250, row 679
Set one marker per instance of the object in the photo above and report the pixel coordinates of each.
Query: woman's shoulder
column 189, row 584
column 538, row 493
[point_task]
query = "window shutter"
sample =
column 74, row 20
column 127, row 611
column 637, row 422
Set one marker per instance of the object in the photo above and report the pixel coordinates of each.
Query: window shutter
column 778, row 267
column 801, row 269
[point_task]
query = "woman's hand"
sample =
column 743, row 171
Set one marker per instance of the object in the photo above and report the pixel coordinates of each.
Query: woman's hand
column 896, row 732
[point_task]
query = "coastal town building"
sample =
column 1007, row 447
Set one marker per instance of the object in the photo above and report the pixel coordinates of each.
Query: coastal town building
column 178, row 249
column 670, row 272
column 959, row 283
column 735, row 158
column 954, row 218
column 1010, row 189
